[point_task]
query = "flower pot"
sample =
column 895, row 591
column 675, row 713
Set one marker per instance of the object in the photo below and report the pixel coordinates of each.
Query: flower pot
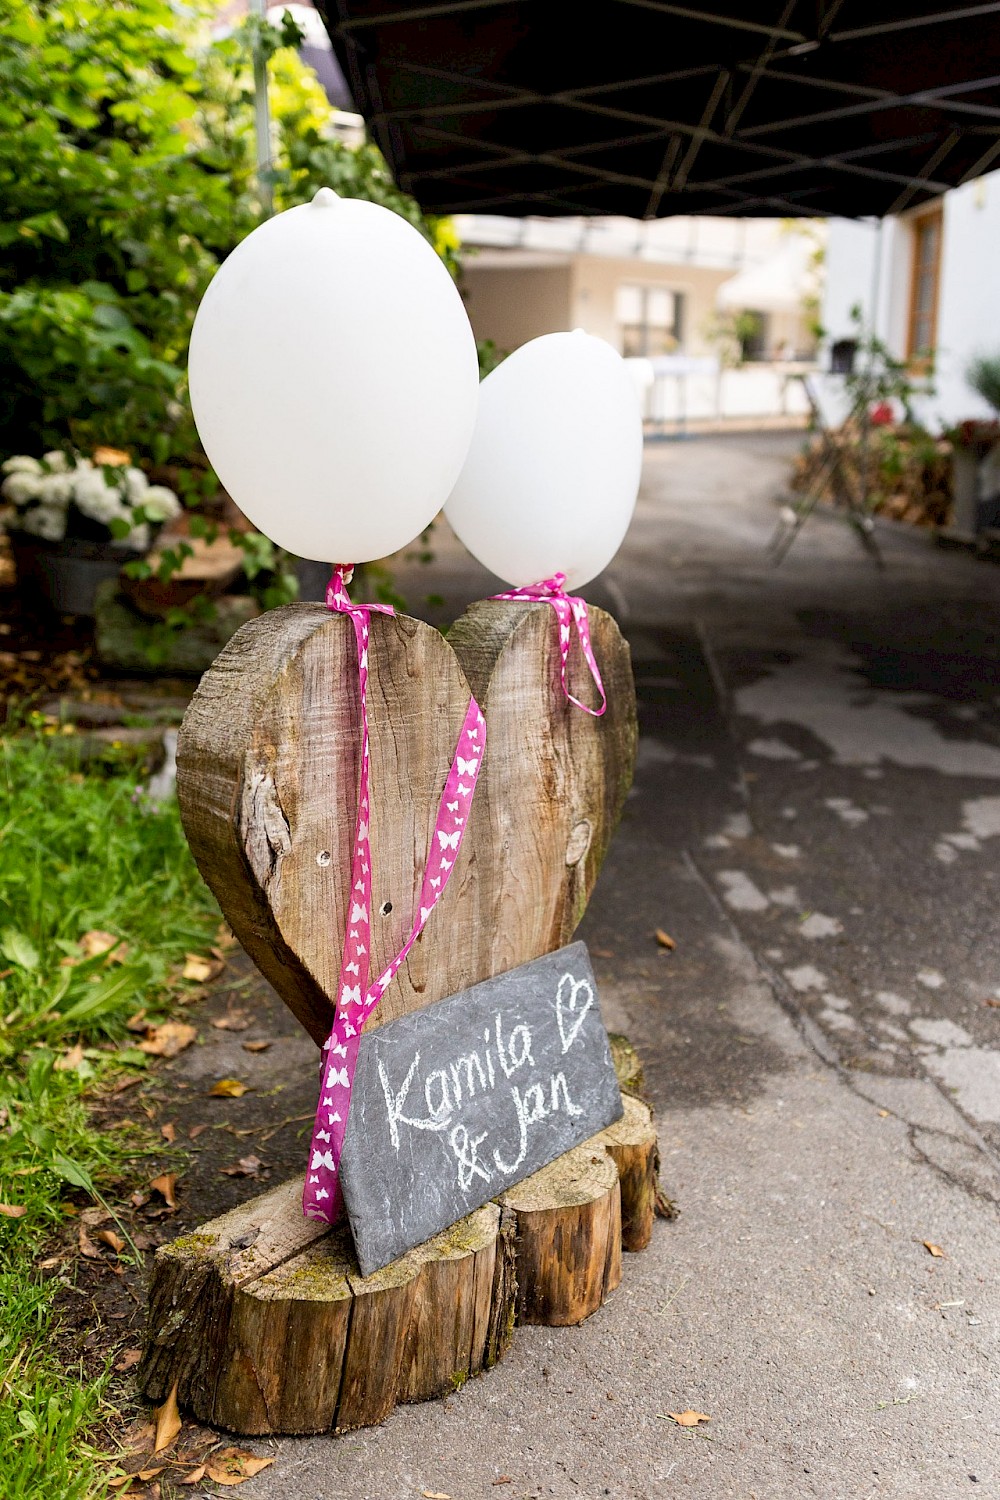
column 64, row 576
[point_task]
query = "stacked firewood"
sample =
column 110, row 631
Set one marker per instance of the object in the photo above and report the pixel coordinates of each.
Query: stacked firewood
column 897, row 469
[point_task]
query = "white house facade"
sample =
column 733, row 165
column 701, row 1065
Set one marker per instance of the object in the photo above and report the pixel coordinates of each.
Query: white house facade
column 928, row 283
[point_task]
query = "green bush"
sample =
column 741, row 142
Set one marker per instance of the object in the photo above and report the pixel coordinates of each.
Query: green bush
column 127, row 174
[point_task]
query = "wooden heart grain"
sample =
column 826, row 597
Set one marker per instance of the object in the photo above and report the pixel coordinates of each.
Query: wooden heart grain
column 268, row 761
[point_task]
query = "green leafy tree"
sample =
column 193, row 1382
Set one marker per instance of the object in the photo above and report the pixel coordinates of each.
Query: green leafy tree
column 127, row 174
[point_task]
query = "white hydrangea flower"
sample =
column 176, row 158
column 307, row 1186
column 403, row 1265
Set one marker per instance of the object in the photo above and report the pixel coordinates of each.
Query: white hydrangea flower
column 160, row 504
column 56, row 461
column 22, row 486
column 139, row 538
column 55, row 489
column 46, row 521
column 21, row 464
column 136, row 485
column 97, row 500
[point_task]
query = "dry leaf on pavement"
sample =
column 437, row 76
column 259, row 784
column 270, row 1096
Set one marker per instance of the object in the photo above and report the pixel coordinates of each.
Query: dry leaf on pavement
column 934, row 1250
column 12, row 1210
column 247, row 1166
column 168, row 1039
column 435, row 1495
column 165, row 1187
column 129, row 1358
column 194, row 1477
column 256, row 1046
column 228, row 1088
column 201, row 970
column 168, row 1421
column 233, row 1020
column 688, row 1418
column 664, row 939
column 235, row 1466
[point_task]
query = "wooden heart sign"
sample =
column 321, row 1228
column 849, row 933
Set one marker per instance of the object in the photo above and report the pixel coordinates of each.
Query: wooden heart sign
column 268, row 771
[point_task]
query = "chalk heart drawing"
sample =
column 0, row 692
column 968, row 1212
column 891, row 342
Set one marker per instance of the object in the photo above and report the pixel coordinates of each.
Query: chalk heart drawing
column 574, row 997
column 268, row 775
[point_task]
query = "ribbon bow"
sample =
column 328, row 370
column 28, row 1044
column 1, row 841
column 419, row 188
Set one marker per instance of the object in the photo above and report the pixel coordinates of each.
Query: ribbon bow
column 356, row 998
column 567, row 607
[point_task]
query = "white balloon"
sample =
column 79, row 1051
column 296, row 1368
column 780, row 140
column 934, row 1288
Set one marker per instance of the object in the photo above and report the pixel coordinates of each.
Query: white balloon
column 334, row 379
column 551, row 478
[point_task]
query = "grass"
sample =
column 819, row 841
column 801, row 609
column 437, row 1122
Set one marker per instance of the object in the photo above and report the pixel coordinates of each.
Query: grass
column 79, row 855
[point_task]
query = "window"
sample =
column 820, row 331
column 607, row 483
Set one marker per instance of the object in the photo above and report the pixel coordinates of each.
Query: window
column 649, row 320
column 924, row 285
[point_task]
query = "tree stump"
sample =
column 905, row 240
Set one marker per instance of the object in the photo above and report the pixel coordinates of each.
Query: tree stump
column 264, row 1323
column 569, row 1236
column 631, row 1142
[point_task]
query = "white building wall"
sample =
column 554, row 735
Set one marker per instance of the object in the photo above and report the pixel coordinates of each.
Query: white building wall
column 969, row 313
column 969, row 294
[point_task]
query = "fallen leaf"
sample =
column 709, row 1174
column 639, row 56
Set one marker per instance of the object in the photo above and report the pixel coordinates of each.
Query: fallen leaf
column 233, row 1020
column 150, row 1473
column 934, row 1250
column 883, row 1114
column 143, row 1241
column 201, row 970
column 123, row 1479
column 993, row 1003
column 108, row 1237
column 12, row 1210
column 664, row 939
column 169, row 1132
column 194, row 1477
column 168, row 1039
column 93, row 944
column 688, row 1418
column 196, row 1131
column 435, row 1495
column 168, row 1421
column 165, row 1187
column 234, row 1466
column 256, row 1046
column 70, row 1061
column 247, row 1166
column 138, row 1199
column 228, row 1088
column 129, row 1358
column 86, row 1244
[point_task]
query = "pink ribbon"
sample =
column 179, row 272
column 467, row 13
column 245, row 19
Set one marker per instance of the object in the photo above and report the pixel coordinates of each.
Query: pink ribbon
column 356, row 998
column 567, row 607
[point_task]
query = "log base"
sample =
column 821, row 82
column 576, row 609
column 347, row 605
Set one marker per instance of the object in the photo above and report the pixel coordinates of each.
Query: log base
column 264, row 1324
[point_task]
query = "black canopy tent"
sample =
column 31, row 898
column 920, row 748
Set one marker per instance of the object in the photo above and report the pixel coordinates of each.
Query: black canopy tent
column 645, row 108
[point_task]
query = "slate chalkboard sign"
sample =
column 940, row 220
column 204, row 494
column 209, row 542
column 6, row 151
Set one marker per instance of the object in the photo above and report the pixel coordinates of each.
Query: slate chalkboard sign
column 455, row 1103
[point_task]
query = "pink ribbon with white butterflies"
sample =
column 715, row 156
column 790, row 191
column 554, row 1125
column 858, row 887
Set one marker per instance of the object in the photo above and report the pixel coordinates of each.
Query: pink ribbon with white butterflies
column 567, row 607
column 356, row 998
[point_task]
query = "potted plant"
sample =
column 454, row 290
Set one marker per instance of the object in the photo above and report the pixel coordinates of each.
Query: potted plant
column 74, row 521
